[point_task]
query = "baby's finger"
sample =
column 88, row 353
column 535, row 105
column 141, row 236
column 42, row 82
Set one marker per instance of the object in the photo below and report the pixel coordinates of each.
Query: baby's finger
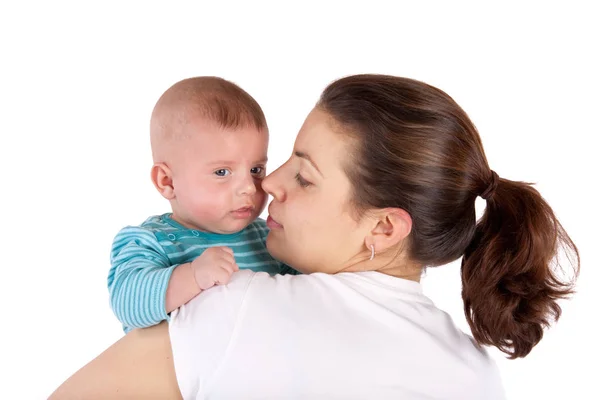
column 221, row 276
column 226, row 250
column 227, row 257
column 229, row 266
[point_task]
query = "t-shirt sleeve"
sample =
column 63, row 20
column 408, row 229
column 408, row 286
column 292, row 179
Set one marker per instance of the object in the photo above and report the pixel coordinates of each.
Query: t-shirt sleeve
column 201, row 330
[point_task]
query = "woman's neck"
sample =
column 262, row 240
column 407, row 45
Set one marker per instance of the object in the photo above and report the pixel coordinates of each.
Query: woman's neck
column 412, row 274
column 398, row 267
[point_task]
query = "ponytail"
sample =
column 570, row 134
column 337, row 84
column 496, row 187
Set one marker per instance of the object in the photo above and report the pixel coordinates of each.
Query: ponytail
column 415, row 149
column 510, row 283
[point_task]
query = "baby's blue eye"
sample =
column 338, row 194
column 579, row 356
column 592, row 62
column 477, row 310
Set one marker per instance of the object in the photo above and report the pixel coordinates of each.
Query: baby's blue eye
column 222, row 172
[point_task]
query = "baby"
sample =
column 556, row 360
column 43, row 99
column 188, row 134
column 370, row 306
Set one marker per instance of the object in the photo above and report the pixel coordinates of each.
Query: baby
column 209, row 143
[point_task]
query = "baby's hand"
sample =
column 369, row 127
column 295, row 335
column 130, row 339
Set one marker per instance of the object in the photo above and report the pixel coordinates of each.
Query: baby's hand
column 214, row 267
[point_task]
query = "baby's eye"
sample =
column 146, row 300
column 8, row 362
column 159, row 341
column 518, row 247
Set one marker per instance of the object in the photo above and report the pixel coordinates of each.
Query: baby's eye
column 222, row 172
column 257, row 170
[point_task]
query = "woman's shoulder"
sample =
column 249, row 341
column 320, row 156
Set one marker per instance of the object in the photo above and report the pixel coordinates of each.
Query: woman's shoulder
column 357, row 323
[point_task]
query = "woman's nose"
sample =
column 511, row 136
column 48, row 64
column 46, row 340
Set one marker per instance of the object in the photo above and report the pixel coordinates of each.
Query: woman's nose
column 272, row 185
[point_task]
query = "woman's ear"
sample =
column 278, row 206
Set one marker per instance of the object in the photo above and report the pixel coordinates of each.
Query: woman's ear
column 392, row 226
column 163, row 181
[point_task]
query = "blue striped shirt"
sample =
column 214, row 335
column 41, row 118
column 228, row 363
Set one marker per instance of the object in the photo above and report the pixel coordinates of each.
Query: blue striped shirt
column 143, row 258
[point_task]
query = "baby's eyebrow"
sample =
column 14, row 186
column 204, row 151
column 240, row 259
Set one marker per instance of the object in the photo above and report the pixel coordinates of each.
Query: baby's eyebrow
column 305, row 156
column 233, row 162
column 221, row 162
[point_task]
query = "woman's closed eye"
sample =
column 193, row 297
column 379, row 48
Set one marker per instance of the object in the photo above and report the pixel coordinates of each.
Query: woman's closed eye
column 301, row 181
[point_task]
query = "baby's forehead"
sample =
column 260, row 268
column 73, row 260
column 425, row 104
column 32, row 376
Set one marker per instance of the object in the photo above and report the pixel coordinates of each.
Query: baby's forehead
column 207, row 129
column 212, row 141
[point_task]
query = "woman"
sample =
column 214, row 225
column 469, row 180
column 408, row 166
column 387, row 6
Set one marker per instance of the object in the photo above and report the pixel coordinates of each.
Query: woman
column 382, row 184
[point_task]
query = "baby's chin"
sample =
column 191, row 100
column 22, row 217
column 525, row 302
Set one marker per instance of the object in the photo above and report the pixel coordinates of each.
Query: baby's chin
column 233, row 225
column 227, row 224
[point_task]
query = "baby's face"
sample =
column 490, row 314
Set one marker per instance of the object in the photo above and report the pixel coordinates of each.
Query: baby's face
column 217, row 176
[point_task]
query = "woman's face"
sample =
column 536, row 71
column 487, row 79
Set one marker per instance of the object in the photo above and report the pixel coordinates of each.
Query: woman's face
column 310, row 216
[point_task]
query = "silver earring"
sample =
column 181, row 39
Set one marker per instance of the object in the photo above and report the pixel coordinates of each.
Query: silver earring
column 372, row 253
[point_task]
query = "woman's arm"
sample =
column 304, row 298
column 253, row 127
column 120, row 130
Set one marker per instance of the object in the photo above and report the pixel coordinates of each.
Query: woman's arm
column 138, row 366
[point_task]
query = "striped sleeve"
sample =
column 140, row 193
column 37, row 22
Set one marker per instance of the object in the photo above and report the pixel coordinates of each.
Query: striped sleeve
column 138, row 278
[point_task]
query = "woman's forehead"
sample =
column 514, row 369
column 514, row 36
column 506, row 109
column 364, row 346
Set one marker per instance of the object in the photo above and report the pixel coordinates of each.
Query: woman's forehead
column 319, row 142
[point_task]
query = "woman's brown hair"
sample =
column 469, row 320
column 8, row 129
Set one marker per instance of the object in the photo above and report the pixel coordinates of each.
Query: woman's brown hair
column 417, row 150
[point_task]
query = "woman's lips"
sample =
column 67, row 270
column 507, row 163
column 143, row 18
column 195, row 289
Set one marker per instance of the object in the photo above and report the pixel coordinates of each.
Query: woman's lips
column 272, row 224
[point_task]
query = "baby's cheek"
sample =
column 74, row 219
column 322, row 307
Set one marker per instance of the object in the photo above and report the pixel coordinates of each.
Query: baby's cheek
column 260, row 199
column 209, row 208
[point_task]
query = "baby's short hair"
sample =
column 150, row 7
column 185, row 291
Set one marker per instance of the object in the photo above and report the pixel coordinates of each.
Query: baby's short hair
column 216, row 99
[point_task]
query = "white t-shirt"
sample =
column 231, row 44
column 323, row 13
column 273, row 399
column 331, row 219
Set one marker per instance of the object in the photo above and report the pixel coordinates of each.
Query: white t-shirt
column 346, row 336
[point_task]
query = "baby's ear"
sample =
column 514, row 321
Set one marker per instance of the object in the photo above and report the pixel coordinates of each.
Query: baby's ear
column 163, row 181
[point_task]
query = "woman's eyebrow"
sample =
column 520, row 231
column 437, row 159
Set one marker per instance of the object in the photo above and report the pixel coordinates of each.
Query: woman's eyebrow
column 307, row 158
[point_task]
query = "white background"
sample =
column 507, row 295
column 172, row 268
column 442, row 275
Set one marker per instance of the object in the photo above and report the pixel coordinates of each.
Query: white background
column 78, row 82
